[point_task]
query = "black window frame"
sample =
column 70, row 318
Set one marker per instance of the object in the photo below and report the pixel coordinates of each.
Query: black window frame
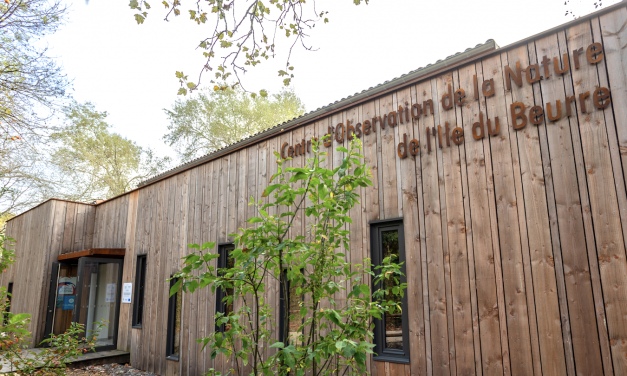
column 9, row 296
column 283, row 302
column 386, row 354
column 223, row 254
column 171, row 323
column 140, row 284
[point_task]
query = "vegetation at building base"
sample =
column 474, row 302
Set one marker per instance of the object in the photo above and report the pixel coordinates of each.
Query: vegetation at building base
column 60, row 349
column 213, row 119
column 332, row 331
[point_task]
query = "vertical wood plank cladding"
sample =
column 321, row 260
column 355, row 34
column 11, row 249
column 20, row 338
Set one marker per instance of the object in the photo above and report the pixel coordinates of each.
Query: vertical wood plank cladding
column 603, row 200
column 223, row 196
column 187, row 358
column 445, row 249
column 507, row 215
column 575, row 274
column 530, row 191
column 456, row 238
column 434, row 241
column 208, row 234
column 488, row 311
column 201, row 295
column 89, row 227
column 68, row 233
column 610, row 126
column 614, row 35
column 388, row 158
column 411, row 226
column 128, row 275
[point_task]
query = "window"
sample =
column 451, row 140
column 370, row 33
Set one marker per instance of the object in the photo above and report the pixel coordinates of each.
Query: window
column 225, row 261
column 293, row 302
column 9, row 295
column 391, row 333
column 140, row 281
column 173, row 345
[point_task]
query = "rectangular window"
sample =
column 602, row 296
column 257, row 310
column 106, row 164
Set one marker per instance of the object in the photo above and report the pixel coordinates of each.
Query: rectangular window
column 140, row 281
column 391, row 333
column 9, row 296
column 174, row 324
column 225, row 261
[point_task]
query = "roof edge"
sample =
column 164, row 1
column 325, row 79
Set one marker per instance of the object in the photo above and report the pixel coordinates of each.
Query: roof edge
column 45, row 202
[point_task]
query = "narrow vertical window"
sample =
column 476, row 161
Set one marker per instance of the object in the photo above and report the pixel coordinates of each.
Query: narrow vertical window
column 9, row 296
column 174, row 324
column 140, row 281
column 392, row 331
column 225, row 261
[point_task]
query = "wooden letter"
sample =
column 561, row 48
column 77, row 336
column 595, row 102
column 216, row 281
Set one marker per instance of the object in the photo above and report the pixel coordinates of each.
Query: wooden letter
column 545, row 64
column 283, row 156
column 582, row 101
column 594, row 53
column 536, row 115
column 367, row 127
column 339, row 138
column 290, row 152
column 392, row 119
column 458, row 136
column 497, row 127
column 349, row 128
column 298, row 149
column 556, row 64
column 460, row 97
column 429, row 103
column 308, row 146
column 328, row 141
column 413, row 147
column 568, row 106
column 428, row 141
column 448, row 139
column 358, row 130
column 403, row 143
column 509, row 74
column 479, row 124
column 518, row 115
column 549, row 111
column 447, row 99
column 400, row 113
column 475, row 86
column 599, row 98
column 536, row 71
column 416, row 111
column 439, row 136
column 488, row 93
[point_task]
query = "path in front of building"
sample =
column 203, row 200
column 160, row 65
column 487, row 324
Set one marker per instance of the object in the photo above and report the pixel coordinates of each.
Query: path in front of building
column 91, row 358
column 109, row 369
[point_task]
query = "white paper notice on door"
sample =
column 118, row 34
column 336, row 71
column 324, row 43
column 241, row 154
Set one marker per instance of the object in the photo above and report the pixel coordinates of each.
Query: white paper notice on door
column 110, row 298
column 127, row 291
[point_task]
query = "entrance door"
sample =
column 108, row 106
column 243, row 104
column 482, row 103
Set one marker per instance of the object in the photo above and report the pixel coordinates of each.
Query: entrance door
column 98, row 291
column 61, row 298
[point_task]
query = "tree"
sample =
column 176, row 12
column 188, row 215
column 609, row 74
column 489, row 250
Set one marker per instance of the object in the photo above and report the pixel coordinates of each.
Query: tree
column 31, row 83
column 214, row 119
column 94, row 163
column 244, row 36
column 317, row 339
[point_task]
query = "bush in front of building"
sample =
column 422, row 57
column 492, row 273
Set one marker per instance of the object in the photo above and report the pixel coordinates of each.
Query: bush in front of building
column 326, row 305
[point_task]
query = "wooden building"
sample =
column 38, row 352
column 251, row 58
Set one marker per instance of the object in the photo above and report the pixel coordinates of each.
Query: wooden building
column 511, row 196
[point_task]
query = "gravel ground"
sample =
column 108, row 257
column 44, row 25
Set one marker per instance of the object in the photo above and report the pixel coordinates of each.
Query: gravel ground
column 109, row 369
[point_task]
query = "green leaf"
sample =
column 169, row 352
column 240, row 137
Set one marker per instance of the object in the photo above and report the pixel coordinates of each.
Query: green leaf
column 208, row 245
column 270, row 189
column 133, row 4
column 254, row 220
column 342, row 148
column 140, row 20
column 174, row 289
column 19, row 317
column 278, row 345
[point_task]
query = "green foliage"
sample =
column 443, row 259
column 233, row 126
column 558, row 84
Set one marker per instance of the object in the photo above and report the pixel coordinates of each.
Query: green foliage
column 95, row 163
column 216, row 118
column 243, row 39
column 7, row 253
column 328, row 335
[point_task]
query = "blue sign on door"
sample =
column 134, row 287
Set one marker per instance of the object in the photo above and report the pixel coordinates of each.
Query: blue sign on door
column 68, row 302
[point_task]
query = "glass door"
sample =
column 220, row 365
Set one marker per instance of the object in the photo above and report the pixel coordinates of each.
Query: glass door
column 61, row 298
column 98, row 291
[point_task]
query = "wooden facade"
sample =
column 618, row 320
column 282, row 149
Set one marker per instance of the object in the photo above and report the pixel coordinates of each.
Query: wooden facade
column 515, row 243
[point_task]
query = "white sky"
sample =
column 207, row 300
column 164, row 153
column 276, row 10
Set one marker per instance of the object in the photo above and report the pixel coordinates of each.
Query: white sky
column 128, row 69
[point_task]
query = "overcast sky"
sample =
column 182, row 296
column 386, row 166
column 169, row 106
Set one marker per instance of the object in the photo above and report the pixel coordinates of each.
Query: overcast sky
column 128, row 69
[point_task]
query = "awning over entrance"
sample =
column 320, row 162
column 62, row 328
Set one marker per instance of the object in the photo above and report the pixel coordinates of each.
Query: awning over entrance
column 105, row 252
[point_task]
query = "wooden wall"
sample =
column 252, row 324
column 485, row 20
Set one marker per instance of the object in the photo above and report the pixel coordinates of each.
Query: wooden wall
column 515, row 244
column 41, row 235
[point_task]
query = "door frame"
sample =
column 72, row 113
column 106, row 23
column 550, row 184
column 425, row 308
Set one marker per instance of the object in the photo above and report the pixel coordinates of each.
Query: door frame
column 52, row 297
column 118, row 295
